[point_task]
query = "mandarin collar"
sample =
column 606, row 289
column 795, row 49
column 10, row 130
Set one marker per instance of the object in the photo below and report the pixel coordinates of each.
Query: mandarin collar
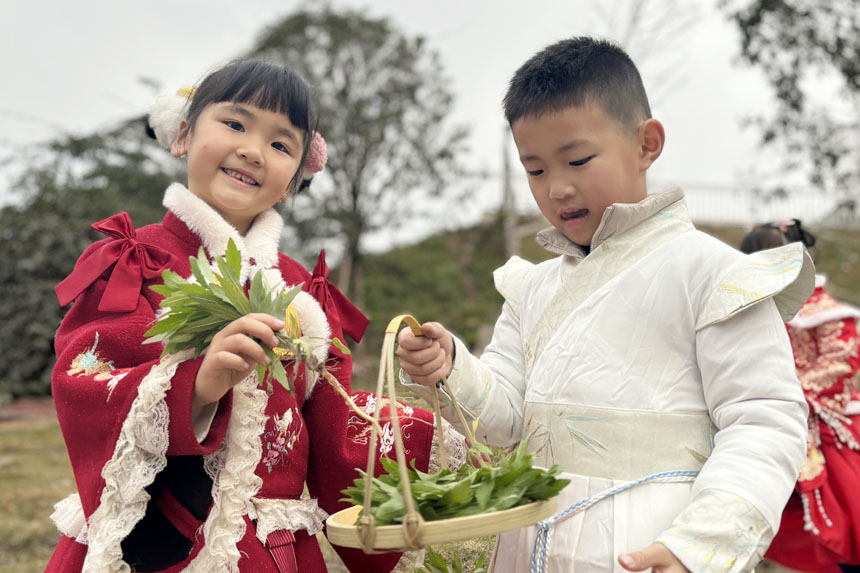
column 616, row 219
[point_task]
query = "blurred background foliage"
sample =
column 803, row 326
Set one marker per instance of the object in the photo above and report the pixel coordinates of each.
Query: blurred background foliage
column 383, row 107
column 384, row 103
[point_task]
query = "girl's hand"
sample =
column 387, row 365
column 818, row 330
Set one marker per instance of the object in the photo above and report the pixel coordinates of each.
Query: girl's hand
column 655, row 557
column 232, row 356
column 426, row 358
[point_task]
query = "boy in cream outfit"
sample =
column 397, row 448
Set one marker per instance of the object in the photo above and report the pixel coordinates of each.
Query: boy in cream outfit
column 645, row 347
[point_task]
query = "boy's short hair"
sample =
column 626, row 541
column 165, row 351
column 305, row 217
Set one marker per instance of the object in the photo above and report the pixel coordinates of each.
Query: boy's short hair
column 574, row 72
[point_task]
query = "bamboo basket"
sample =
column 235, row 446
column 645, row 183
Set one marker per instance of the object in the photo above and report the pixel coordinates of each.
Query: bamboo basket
column 349, row 528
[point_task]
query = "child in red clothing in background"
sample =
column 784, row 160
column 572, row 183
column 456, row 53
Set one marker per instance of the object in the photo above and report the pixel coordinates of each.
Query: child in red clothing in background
column 820, row 529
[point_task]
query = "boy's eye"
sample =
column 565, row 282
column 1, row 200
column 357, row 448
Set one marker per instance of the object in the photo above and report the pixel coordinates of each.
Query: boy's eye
column 535, row 172
column 235, row 125
column 581, row 161
column 281, row 147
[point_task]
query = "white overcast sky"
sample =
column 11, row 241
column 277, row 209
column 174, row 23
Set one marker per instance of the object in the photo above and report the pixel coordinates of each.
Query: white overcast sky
column 76, row 65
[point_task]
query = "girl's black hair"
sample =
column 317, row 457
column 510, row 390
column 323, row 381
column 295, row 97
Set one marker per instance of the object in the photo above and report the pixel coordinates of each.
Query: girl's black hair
column 775, row 234
column 268, row 86
column 794, row 231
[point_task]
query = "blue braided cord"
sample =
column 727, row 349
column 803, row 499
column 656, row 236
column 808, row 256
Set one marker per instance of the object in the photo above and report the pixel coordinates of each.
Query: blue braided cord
column 538, row 564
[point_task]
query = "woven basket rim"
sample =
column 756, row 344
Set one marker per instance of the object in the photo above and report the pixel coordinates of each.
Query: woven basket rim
column 342, row 529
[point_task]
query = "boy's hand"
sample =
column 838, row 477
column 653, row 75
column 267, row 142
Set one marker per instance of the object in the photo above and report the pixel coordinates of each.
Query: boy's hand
column 232, row 355
column 475, row 459
column 656, row 557
column 426, row 358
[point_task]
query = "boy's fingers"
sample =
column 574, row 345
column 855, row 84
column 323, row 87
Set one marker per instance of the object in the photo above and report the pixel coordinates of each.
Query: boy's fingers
column 433, row 330
column 429, row 380
column 423, row 369
column 409, row 341
column 423, row 356
column 652, row 556
column 633, row 561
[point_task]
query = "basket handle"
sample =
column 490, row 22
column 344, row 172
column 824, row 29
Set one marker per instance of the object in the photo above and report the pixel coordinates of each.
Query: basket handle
column 412, row 521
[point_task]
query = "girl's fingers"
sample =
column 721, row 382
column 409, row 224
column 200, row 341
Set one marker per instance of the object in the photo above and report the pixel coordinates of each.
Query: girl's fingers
column 229, row 361
column 260, row 326
column 242, row 345
column 269, row 320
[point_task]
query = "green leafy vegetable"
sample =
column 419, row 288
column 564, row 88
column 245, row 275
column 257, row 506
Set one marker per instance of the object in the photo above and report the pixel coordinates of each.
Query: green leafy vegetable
column 195, row 311
column 468, row 491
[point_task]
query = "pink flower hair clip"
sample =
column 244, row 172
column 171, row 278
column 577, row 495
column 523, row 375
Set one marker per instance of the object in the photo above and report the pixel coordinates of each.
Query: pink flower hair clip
column 316, row 157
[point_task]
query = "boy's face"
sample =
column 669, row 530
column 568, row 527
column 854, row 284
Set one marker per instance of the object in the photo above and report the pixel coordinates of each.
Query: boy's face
column 579, row 161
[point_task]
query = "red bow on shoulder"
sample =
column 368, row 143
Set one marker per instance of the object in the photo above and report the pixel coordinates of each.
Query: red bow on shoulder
column 132, row 262
column 353, row 322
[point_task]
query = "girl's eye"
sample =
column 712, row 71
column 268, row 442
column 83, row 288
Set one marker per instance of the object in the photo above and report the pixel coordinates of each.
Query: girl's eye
column 234, row 125
column 281, row 147
column 581, row 161
column 534, row 173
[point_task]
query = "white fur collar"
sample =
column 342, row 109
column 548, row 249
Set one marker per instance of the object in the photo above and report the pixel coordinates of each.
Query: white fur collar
column 259, row 249
column 259, row 243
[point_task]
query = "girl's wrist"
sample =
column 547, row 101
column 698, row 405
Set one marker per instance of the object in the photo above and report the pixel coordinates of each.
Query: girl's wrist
column 206, row 393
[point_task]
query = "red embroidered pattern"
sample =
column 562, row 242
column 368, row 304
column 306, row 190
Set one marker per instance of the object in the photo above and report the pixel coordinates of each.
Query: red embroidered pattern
column 823, row 358
column 280, row 441
column 358, row 431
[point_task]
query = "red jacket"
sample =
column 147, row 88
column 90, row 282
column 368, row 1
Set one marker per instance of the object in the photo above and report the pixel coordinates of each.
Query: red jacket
column 145, row 482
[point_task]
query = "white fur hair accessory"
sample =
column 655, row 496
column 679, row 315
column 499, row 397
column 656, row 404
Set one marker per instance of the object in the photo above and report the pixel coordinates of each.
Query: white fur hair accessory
column 167, row 114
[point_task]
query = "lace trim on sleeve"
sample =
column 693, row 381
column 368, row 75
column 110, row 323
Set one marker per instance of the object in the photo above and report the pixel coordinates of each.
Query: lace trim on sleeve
column 286, row 514
column 69, row 518
column 235, row 483
column 140, row 453
column 455, row 445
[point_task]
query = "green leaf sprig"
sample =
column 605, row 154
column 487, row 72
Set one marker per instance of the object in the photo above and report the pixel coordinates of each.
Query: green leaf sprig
column 468, row 491
column 196, row 311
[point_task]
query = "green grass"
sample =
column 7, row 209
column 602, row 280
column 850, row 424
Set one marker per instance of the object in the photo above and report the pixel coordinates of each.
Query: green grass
column 35, row 474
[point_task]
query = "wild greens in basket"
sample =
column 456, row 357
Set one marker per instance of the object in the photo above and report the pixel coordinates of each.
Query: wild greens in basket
column 467, row 491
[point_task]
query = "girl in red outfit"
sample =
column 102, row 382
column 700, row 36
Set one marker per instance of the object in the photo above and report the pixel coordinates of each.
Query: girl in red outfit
column 186, row 464
column 820, row 529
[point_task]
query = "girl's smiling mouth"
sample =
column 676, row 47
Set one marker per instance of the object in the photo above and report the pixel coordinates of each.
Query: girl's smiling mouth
column 240, row 176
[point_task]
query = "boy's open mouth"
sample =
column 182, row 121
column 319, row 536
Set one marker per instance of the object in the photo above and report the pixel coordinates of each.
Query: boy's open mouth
column 239, row 176
column 572, row 214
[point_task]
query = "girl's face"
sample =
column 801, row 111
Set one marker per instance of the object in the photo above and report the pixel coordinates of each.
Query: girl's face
column 241, row 159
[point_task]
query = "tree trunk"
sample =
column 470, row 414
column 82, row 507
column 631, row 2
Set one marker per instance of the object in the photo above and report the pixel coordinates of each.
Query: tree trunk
column 350, row 277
